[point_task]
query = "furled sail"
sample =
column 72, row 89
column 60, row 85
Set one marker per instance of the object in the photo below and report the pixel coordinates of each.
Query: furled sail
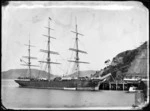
column 49, row 36
column 29, row 45
column 29, row 57
column 78, row 61
column 46, row 51
column 77, row 33
column 49, row 62
column 77, row 50
column 29, row 65
column 49, row 28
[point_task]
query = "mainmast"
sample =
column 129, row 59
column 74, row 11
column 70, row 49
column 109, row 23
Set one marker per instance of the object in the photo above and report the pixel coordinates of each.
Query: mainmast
column 29, row 59
column 48, row 51
column 77, row 51
column 48, row 55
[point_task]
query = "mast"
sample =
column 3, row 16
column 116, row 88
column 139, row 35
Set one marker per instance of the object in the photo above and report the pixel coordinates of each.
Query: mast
column 48, row 55
column 48, row 51
column 77, row 51
column 29, row 58
column 77, row 54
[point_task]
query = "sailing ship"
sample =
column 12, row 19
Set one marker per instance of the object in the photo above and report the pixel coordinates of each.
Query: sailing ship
column 79, row 83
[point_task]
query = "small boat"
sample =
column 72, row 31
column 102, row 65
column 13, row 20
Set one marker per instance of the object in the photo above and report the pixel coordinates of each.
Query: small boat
column 132, row 89
column 67, row 88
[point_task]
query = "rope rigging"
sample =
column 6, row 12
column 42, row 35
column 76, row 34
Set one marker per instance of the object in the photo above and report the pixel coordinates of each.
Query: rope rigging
column 62, row 58
column 41, row 64
column 81, row 44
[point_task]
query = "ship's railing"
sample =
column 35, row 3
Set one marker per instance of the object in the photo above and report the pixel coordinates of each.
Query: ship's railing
column 70, row 78
column 32, row 79
column 23, row 78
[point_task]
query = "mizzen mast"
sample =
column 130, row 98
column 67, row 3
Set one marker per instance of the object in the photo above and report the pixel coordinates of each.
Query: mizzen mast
column 77, row 50
column 48, row 51
column 29, row 58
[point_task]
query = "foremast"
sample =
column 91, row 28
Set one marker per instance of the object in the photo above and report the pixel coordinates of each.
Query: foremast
column 76, row 61
column 29, row 58
column 48, row 51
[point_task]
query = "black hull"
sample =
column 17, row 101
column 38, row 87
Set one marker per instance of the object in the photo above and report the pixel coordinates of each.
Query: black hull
column 63, row 85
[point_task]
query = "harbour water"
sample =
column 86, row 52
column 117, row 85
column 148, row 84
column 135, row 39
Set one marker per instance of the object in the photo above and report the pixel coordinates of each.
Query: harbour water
column 15, row 97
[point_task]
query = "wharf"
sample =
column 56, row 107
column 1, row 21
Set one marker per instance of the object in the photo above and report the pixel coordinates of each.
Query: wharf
column 117, row 85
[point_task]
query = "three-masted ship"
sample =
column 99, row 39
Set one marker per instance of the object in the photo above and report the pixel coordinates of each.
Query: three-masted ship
column 78, row 83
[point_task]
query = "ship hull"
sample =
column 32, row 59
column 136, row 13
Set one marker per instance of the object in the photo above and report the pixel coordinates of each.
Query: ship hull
column 62, row 85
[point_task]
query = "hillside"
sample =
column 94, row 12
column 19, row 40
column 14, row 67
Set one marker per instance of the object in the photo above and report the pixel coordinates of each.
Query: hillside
column 128, row 63
column 15, row 73
column 139, row 64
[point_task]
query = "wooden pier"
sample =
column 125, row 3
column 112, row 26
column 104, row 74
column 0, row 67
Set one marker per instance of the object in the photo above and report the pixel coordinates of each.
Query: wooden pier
column 116, row 85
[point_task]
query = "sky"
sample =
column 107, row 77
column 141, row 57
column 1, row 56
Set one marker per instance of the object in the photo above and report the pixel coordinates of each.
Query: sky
column 108, row 28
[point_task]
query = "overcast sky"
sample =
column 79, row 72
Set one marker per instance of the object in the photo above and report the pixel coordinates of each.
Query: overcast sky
column 108, row 29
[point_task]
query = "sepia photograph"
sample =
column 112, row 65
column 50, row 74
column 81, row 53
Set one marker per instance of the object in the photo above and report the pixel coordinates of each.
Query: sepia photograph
column 75, row 55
